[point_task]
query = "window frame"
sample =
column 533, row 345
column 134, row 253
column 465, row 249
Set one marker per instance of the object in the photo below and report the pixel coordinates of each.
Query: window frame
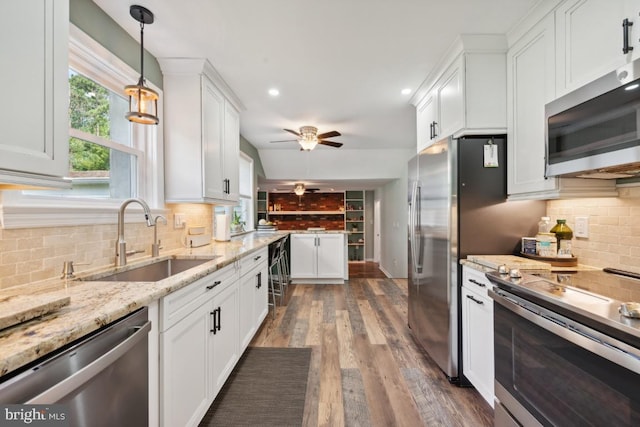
column 20, row 210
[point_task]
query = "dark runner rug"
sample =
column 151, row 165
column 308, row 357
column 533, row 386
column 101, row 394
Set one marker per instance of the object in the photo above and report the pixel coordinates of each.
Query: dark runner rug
column 266, row 388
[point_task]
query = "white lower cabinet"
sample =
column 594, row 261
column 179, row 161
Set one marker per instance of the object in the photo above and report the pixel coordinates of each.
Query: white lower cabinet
column 318, row 257
column 477, row 333
column 254, row 289
column 201, row 339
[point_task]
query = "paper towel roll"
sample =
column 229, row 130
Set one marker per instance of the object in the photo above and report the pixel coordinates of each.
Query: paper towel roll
column 223, row 233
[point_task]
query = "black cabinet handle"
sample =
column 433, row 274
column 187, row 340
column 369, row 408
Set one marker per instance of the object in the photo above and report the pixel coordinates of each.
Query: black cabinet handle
column 216, row 283
column 257, row 258
column 477, row 301
column 259, row 285
column 431, row 130
column 482, row 285
column 219, row 318
column 625, row 35
column 434, row 129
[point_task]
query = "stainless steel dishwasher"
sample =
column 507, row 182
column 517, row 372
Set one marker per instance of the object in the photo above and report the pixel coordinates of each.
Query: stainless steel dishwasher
column 101, row 380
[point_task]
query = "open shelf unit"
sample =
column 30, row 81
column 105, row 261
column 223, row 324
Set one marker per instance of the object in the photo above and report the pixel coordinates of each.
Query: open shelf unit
column 262, row 204
column 354, row 222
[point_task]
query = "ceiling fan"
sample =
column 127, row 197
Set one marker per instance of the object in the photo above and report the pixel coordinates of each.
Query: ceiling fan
column 308, row 138
column 299, row 189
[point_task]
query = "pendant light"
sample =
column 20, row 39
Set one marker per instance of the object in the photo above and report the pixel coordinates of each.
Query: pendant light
column 143, row 101
column 298, row 189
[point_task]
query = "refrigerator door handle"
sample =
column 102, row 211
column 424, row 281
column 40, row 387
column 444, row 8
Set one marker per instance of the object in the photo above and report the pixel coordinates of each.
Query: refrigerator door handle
column 418, row 222
column 412, row 230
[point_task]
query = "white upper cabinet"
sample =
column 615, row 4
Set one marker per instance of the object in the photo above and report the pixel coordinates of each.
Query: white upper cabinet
column 590, row 40
column 467, row 95
column 202, row 133
column 530, row 85
column 532, row 73
column 34, row 45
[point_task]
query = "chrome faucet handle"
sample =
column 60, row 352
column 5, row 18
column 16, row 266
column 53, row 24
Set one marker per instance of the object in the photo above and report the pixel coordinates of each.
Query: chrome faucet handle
column 67, row 269
column 135, row 251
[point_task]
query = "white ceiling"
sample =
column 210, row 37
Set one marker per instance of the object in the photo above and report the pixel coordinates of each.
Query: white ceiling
column 338, row 64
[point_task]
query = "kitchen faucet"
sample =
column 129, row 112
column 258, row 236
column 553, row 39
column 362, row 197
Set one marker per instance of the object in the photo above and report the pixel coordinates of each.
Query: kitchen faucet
column 121, row 245
column 155, row 247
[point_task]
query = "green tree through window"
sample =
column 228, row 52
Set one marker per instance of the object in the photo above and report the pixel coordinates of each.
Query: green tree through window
column 89, row 112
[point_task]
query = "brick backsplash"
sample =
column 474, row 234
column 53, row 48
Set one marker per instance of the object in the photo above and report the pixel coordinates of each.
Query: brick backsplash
column 29, row 255
column 307, row 202
column 614, row 228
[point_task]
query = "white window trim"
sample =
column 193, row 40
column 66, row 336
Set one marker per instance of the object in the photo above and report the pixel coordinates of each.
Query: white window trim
column 18, row 210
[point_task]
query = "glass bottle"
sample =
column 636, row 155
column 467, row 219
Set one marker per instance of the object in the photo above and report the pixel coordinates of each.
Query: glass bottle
column 544, row 226
column 564, row 234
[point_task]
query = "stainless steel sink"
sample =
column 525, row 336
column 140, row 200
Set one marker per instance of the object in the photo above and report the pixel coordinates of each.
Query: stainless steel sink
column 152, row 272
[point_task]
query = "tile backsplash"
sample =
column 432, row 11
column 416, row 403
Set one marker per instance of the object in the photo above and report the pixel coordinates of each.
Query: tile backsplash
column 614, row 228
column 28, row 255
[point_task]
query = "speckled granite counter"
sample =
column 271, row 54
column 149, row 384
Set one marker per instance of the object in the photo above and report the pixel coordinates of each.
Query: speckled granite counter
column 94, row 304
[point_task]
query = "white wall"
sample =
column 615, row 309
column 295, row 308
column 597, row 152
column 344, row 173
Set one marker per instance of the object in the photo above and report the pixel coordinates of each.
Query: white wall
column 393, row 227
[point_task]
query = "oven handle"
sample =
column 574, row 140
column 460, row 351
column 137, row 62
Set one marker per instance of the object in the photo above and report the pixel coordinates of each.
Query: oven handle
column 76, row 380
column 613, row 350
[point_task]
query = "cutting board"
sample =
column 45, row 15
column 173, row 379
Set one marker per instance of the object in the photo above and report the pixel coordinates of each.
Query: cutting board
column 16, row 309
column 511, row 261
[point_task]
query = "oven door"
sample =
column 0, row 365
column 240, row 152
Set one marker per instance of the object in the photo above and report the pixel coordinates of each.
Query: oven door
column 549, row 370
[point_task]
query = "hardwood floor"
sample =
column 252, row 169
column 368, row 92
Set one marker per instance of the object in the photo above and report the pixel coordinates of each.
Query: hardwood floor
column 365, row 270
column 366, row 370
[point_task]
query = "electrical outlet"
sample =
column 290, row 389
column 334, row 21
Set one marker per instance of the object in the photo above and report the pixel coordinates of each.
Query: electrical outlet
column 582, row 226
column 179, row 220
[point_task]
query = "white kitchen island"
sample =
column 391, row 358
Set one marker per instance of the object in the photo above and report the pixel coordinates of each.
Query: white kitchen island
column 319, row 257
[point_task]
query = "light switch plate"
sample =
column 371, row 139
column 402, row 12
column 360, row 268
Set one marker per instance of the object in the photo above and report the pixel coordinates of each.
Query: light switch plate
column 179, row 220
column 582, row 226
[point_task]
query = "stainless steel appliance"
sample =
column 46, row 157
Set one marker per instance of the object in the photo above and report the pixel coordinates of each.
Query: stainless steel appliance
column 457, row 207
column 100, row 380
column 593, row 132
column 563, row 353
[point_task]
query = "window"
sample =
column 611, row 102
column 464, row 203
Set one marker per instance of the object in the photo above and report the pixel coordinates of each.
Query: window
column 110, row 160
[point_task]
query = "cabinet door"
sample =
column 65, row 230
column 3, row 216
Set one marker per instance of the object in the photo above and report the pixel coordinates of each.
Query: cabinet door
column 425, row 116
column 223, row 338
column 185, row 357
column 530, row 84
column 35, row 88
column 212, row 140
column 589, row 40
column 247, row 290
column 477, row 342
column 450, row 101
column 330, row 256
column 303, row 256
column 231, row 151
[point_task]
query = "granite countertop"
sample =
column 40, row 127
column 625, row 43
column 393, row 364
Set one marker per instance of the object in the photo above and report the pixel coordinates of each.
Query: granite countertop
column 94, row 304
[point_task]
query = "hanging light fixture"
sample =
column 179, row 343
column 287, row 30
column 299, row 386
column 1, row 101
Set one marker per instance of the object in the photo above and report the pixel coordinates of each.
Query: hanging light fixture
column 143, row 101
column 299, row 189
column 309, row 137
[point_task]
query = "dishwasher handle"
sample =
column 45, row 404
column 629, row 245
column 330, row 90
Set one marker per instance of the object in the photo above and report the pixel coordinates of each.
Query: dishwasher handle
column 75, row 381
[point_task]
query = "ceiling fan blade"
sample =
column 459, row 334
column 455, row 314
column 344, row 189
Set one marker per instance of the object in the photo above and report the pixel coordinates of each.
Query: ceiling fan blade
column 285, row 140
column 329, row 134
column 293, row 132
column 331, row 143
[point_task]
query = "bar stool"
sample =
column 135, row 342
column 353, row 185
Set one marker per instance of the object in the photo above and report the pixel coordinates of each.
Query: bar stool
column 276, row 279
column 284, row 261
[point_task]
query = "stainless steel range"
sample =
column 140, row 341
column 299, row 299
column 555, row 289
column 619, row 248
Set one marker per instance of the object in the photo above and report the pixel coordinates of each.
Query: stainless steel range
column 564, row 355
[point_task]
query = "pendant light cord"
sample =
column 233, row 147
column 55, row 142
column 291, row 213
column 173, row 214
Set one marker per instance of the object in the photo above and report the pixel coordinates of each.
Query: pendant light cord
column 142, row 52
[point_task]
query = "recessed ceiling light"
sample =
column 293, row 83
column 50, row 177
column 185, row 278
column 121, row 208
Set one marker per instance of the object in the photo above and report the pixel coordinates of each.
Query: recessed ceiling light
column 274, row 92
column 406, row 91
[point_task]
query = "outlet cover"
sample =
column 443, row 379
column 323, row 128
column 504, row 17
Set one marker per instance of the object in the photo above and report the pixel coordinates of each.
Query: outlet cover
column 582, row 226
column 179, row 220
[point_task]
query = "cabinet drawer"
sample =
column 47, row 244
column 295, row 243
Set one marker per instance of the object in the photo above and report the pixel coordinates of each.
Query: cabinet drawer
column 475, row 281
column 252, row 260
column 179, row 304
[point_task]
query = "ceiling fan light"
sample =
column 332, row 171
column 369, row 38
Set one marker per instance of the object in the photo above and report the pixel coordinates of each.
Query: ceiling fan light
column 308, row 144
column 299, row 189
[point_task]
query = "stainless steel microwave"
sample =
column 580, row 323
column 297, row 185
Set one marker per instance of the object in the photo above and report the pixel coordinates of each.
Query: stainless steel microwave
column 594, row 131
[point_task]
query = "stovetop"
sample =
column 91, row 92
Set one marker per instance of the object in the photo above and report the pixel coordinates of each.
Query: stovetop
column 592, row 296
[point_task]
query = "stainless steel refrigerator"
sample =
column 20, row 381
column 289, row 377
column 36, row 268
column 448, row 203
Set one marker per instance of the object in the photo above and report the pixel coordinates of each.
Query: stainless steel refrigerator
column 457, row 207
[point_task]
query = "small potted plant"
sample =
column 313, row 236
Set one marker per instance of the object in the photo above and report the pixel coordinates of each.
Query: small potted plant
column 237, row 224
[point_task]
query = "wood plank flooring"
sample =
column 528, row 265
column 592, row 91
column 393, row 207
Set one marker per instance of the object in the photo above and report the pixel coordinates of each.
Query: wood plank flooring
column 366, row 370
